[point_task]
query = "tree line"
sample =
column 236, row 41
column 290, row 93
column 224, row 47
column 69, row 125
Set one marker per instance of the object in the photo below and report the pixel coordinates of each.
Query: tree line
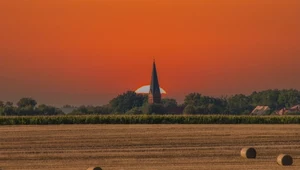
column 27, row 106
column 194, row 103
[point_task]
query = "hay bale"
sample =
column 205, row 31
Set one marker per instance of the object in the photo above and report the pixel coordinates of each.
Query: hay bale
column 94, row 168
column 284, row 160
column 249, row 153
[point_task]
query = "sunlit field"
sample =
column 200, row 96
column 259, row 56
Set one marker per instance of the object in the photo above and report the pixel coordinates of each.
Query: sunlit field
column 153, row 147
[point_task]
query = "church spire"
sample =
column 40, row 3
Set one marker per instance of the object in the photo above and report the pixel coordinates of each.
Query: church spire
column 154, row 92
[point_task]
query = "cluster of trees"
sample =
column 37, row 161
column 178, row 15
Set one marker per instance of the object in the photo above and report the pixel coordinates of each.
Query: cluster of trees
column 240, row 103
column 27, row 106
column 194, row 103
column 131, row 103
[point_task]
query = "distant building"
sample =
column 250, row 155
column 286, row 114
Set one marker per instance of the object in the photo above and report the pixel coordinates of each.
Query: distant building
column 295, row 108
column 261, row 110
column 154, row 95
column 281, row 111
column 284, row 111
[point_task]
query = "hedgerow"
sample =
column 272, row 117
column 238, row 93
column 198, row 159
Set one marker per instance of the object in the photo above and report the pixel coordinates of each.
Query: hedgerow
column 147, row 119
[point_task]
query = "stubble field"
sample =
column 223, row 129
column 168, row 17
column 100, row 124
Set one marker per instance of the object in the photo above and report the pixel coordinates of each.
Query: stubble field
column 151, row 147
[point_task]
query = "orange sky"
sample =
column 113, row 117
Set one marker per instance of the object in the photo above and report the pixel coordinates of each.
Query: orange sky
column 88, row 51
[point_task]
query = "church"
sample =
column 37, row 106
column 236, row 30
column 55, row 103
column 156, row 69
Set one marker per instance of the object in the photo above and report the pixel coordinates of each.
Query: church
column 153, row 90
column 154, row 95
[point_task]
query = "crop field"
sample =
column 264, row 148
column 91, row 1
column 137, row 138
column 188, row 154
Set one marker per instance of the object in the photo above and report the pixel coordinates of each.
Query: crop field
column 151, row 147
column 147, row 119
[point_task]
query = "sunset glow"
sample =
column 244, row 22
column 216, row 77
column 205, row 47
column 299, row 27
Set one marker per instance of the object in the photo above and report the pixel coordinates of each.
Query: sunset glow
column 145, row 90
column 88, row 51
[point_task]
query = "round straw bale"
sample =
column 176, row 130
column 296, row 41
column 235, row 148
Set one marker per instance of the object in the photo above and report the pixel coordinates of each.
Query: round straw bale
column 248, row 153
column 284, row 160
column 94, row 168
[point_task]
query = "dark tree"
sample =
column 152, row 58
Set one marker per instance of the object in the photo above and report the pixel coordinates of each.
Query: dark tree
column 26, row 102
column 189, row 109
column 126, row 101
column 239, row 104
column 170, row 105
column 48, row 110
column 154, row 108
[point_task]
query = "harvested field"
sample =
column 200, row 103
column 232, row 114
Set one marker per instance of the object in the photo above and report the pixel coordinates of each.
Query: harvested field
column 155, row 147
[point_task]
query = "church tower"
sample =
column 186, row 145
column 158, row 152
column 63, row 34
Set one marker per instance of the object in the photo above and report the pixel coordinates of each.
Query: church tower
column 154, row 92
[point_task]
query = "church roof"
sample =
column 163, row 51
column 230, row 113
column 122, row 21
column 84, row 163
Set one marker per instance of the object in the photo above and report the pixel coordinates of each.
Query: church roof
column 260, row 110
column 154, row 85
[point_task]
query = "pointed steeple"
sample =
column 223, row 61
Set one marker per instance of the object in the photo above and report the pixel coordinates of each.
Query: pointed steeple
column 154, row 92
